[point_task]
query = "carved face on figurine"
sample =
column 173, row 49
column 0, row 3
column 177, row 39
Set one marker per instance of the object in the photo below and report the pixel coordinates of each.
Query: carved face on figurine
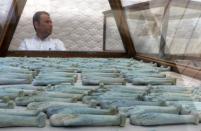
column 44, row 26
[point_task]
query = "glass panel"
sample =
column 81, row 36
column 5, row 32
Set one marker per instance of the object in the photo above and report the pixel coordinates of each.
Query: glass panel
column 78, row 23
column 184, row 36
column 131, row 2
column 4, row 10
column 183, row 39
column 145, row 29
column 113, row 40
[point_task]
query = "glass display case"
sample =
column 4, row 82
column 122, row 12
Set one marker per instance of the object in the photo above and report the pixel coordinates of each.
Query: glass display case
column 145, row 73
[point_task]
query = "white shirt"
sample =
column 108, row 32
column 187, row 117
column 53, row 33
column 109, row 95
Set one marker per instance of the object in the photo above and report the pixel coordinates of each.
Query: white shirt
column 47, row 44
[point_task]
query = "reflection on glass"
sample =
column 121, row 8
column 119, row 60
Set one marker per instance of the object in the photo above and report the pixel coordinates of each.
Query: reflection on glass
column 113, row 40
column 1, row 28
column 131, row 2
column 183, row 36
column 4, row 10
column 145, row 29
column 183, row 41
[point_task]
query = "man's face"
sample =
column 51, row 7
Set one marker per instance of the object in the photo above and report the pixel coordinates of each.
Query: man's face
column 44, row 27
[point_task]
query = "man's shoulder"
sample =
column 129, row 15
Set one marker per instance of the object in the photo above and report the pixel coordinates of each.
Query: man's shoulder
column 26, row 43
column 59, row 44
column 29, row 39
column 56, row 41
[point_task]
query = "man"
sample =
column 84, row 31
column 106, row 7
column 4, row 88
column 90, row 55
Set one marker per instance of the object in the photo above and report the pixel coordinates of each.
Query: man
column 43, row 26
